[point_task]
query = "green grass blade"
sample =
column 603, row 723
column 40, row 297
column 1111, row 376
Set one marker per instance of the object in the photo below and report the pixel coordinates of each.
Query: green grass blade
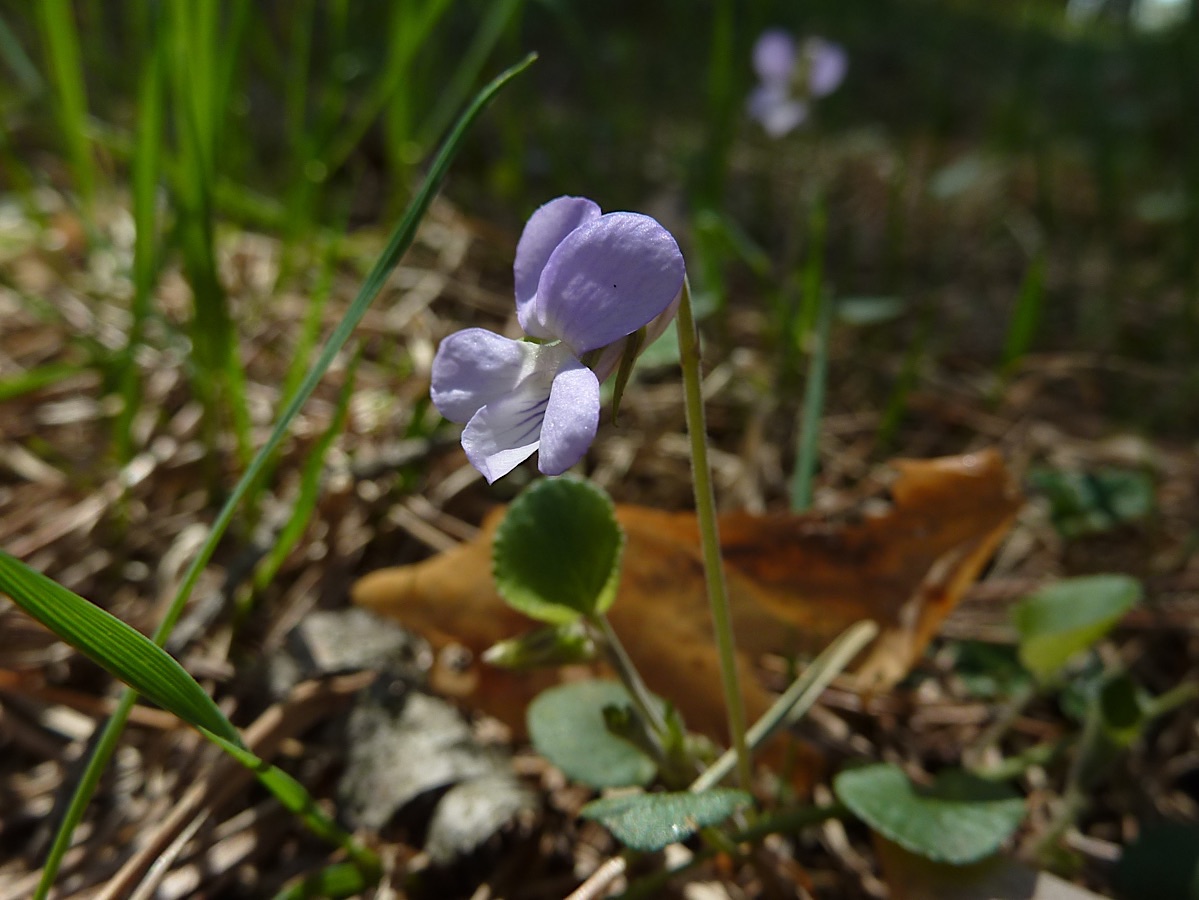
column 409, row 28
column 310, row 486
column 147, row 157
column 1026, row 316
column 333, row 881
column 466, row 72
column 808, row 440
column 400, row 240
column 18, row 61
column 296, row 799
column 18, row 385
column 122, row 650
column 61, row 37
column 136, row 660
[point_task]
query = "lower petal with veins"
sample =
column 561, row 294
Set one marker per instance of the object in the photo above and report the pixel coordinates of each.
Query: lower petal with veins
column 507, row 431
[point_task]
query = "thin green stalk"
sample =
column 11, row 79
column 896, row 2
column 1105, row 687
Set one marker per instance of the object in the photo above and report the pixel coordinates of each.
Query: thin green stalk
column 705, row 513
column 401, row 239
column 808, row 439
column 798, row 698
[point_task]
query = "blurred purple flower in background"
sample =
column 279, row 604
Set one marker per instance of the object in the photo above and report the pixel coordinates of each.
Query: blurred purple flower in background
column 790, row 75
column 584, row 283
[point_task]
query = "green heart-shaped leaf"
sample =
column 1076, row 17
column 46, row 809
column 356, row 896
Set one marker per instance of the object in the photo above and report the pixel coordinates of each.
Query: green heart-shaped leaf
column 557, row 553
column 649, row 822
column 960, row 819
column 1069, row 616
column 566, row 725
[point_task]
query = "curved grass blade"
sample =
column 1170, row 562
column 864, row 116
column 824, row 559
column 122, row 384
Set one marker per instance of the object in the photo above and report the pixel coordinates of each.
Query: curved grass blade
column 155, row 674
column 400, row 240
column 121, row 649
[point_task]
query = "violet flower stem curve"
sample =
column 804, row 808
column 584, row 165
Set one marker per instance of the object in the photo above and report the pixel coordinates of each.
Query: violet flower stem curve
column 709, row 533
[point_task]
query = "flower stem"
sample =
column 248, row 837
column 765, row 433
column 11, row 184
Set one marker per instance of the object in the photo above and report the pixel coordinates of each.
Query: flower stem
column 643, row 700
column 709, row 534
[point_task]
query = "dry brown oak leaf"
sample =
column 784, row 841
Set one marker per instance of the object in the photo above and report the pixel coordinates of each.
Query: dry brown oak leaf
column 795, row 582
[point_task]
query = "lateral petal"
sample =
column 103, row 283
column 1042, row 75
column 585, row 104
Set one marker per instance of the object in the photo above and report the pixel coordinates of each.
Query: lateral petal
column 571, row 418
column 474, row 367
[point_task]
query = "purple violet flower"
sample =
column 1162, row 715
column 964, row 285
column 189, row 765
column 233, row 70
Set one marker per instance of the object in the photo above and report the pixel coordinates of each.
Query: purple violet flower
column 814, row 68
column 584, row 283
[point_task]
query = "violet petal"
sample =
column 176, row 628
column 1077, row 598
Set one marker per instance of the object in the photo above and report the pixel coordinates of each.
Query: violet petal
column 473, row 367
column 827, row 63
column 571, row 418
column 775, row 57
column 542, row 234
column 608, row 278
column 507, row 431
column 776, row 111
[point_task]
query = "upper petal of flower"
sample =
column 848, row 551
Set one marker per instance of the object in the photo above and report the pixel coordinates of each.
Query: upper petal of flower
column 775, row 57
column 827, row 63
column 607, row 278
column 544, row 231
column 571, row 418
column 474, row 367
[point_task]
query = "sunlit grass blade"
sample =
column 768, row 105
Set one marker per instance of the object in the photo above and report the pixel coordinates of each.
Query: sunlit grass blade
column 146, row 168
column 808, row 439
column 140, row 663
column 400, row 240
column 202, row 48
column 123, row 651
column 57, row 24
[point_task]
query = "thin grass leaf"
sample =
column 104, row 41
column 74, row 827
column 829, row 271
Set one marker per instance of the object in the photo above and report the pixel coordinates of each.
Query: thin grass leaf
column 310, row 488
column 57, row 24
column 200, row 81
column 400, row 240
column 136, row 660
column 1026, row 316
column 120, row 649
column 333, row 881
column 297, row 800
column 18, row 61
column 493, row 26
column 35, row 379
column 791, row 705
column 147, row 156
column 409, row 29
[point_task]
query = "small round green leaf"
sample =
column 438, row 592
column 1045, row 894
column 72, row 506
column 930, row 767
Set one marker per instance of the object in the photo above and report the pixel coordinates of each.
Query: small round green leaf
column 557, row 553
column 566, row 725
column 960, row 819
column 649, row 822
column 1069, row 616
